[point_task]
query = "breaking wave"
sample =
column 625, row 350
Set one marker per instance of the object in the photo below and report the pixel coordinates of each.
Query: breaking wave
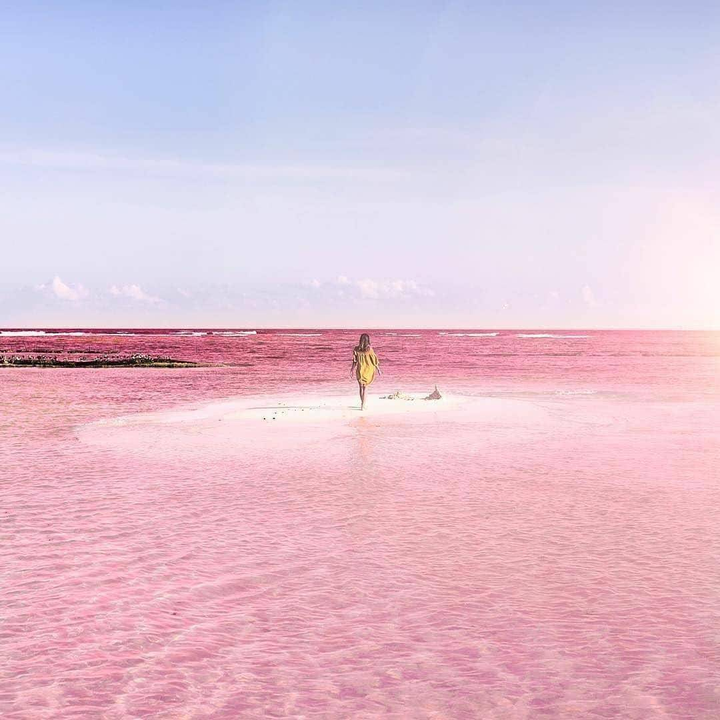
column 550, row 335
column 489, row 334
column 37, row 333
column 234, row 333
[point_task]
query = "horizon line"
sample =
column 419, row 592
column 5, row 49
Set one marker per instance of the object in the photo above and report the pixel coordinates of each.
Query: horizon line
column 358, row 328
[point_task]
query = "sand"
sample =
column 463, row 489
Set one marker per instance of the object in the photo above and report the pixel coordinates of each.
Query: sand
column 305, row 408
column 231, row 424
column 299, row 408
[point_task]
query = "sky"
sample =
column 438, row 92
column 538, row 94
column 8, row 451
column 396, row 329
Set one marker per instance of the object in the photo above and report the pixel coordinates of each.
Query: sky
column 373, row 164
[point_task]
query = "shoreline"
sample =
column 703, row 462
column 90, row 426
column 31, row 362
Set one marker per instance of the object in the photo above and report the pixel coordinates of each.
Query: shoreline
column 257, row 414
column 292, row 408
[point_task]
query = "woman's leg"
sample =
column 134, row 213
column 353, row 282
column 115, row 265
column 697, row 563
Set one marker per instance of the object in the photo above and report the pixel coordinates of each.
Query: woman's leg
column 362, row 395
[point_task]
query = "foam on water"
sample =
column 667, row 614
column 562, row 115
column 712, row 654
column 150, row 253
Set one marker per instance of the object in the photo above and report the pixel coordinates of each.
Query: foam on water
column 550, row 335
column 233, row 333
column 37, row 333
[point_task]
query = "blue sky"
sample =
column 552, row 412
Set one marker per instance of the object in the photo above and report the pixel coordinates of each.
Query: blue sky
column 378, row 164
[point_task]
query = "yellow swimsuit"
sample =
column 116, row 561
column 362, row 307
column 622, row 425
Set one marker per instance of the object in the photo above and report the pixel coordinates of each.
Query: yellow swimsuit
column 367, row 363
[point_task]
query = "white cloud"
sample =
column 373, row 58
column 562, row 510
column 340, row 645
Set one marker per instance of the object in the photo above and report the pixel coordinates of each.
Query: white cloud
column 368, row 288
column 588, row 296
column 372, row 289
column 134, row 292
column 392, row 289
column 64, row 291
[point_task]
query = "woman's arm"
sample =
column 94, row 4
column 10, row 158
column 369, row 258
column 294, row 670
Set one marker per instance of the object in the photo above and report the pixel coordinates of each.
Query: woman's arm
column 354, row 363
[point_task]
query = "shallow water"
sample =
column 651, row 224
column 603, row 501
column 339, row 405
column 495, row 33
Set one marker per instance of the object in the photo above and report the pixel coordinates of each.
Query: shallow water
column 558, row 558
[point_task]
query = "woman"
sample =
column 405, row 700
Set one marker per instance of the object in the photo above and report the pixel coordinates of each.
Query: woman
column 364, row 366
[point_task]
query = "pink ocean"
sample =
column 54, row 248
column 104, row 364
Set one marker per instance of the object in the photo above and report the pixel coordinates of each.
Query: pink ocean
column 239, row 541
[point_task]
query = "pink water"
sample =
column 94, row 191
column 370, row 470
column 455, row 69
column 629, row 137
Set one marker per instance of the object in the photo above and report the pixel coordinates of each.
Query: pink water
column 559, row 558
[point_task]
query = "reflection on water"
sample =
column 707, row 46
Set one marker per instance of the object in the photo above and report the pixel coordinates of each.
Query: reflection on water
column 556, row 559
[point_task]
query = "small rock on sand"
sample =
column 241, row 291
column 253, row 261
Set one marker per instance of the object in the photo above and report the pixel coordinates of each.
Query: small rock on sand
column 434, row 395
column 397, row 396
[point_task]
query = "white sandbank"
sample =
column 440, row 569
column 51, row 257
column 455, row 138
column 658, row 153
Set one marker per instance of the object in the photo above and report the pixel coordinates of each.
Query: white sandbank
column 244, row 427
column 335, row 409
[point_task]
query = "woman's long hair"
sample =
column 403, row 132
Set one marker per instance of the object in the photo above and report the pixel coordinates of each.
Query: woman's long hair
column 364, row 343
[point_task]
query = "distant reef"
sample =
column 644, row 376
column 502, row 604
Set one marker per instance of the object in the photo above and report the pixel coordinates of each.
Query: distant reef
column 104, row 361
